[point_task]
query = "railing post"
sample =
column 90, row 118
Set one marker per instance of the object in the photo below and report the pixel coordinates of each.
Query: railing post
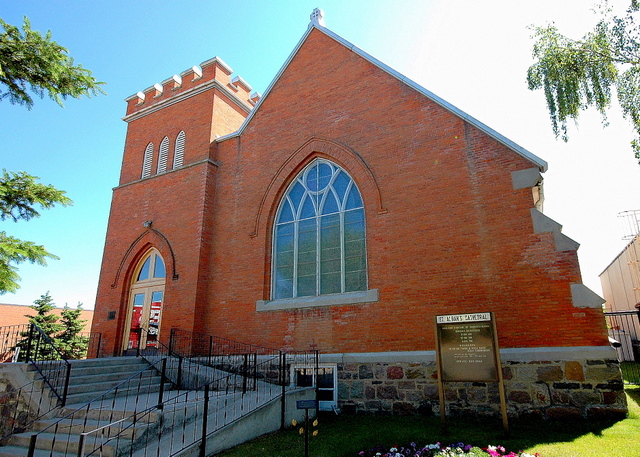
column 245, row 369
column 29, row 342
column 283, row 377
column 210, row 347
column 162, row 377
column 205, row 416
column 139, row 330
column 172, row 334
column 98, row 346
column 179, row 380
column 36, row 351
column 32, row 445
column 254, row 385
column 317, row 370
column 83, row 437
column 66, row 385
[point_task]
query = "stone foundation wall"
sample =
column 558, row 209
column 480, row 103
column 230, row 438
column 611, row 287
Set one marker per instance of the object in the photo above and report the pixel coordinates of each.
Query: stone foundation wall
column 21, row 400
column 565, row 388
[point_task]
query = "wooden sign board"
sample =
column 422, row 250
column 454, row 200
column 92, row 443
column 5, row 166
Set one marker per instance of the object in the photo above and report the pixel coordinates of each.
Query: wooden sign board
column 467, row 351
column 466, row 347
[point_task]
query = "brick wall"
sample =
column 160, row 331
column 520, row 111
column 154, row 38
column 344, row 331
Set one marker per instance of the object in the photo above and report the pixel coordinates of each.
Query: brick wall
column 446, row 231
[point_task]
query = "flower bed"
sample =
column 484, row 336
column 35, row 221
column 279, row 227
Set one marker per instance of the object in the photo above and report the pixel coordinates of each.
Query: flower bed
column 439, row 450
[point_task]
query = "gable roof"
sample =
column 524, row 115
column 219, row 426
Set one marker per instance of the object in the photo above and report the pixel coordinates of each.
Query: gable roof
column 540, row 163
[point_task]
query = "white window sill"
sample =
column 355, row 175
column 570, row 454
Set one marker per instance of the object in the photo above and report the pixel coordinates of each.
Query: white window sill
column 349, row 298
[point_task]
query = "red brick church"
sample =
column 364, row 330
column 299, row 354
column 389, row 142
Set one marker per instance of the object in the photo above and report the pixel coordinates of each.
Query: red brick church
column 342, row 211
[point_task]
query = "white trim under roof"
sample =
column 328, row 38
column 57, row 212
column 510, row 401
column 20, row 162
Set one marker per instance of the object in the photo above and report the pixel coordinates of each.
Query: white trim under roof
column 540, row 163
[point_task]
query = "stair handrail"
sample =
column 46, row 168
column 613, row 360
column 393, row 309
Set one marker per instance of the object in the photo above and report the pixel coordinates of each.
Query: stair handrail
column 53, row 373
column 10, row 336
column 200, row 397
column 39, row 365
column 98, row 397
column 87, row 405
column 201, row 376
column 159, row 349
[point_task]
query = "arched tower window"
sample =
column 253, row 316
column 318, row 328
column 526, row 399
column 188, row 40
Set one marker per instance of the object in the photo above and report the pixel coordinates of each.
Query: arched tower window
column 163, row 155
column 319, row 235
column 148, row 159
column 145, row 302
column 178, row 155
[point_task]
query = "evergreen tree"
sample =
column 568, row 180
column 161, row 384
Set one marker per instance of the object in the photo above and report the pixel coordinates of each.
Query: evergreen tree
column 19, row 195
column 30, row 60
column 47, row 322
column 32, row 63
column 71, row 342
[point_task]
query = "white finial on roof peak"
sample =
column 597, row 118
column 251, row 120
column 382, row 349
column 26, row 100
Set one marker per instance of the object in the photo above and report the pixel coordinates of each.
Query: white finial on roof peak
column 317, row 17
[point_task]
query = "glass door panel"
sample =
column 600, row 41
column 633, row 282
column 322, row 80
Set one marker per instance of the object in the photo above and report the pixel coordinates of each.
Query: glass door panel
column 136, row 321
column 153, row 330
column 326, row 388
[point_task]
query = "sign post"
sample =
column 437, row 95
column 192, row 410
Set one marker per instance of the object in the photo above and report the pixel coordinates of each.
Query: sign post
column 467, row 351
column 307, row 405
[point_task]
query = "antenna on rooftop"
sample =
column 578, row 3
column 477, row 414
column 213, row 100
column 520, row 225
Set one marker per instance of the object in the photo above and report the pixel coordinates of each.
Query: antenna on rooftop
column 630, row 222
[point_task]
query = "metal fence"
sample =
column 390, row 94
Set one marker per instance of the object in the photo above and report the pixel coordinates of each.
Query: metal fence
column 14, row 340
column 624, row 332
column 34, row 346
column 178, row 402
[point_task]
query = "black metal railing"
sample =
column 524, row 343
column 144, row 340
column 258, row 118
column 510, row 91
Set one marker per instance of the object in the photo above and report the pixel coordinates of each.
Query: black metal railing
column 22, row 405
column 48, row 361
column 133, row 396
column 177, row 402
column 624, row 333
column 13, row 344
column 10, row 337
column 189, row 418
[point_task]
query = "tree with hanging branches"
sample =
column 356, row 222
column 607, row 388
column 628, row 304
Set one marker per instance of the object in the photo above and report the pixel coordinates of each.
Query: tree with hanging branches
column 578, row 74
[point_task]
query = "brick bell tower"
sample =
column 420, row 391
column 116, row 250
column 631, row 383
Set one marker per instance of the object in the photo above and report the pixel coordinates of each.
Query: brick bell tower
column 158, row 237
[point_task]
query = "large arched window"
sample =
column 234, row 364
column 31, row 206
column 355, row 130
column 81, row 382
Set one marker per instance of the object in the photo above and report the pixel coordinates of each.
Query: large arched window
column 319, row 235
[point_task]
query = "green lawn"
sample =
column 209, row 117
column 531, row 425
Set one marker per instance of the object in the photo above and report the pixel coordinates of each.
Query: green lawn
column 630, row 371
column 344, row 436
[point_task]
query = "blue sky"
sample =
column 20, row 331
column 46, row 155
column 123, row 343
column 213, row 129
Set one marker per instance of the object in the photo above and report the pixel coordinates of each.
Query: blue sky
column 474, row 54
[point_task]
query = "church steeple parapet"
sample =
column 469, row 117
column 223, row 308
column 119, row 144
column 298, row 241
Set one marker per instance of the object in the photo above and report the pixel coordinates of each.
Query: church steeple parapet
column 210, row 72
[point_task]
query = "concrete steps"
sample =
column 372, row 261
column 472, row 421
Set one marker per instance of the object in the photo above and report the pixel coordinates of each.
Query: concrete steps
column 66, row 444
column 142, row 430
column 127, row 429
column 89, row 380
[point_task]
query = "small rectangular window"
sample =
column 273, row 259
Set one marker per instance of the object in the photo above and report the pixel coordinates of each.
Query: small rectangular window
column 326, row 379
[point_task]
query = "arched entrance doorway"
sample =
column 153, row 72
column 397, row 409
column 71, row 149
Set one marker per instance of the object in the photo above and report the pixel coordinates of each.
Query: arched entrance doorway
column 145, row 303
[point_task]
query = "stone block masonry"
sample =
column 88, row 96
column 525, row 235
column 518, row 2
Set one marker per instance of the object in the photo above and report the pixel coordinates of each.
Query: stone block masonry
column 567, row 388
